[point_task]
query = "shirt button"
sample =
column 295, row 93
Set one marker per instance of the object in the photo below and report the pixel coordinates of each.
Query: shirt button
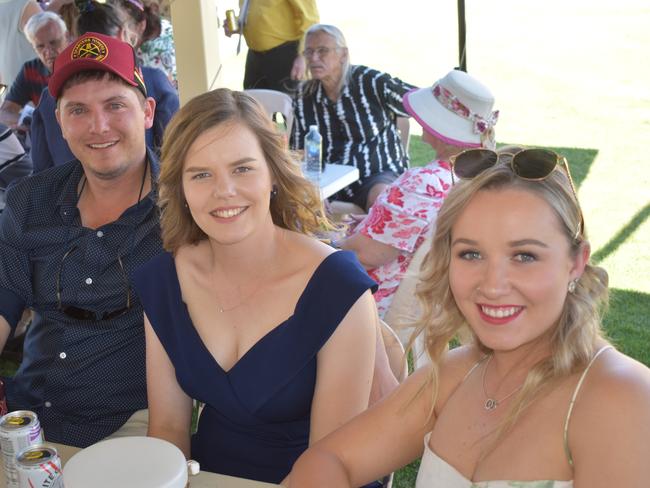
column 48, row 404
column 89, row 281
column 100, row 233
column 63, row 355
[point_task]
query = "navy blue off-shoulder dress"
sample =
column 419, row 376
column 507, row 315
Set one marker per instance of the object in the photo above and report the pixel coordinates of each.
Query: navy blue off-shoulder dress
column 255, row 422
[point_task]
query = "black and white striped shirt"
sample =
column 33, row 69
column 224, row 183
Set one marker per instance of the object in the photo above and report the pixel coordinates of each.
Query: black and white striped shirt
column 359, row 129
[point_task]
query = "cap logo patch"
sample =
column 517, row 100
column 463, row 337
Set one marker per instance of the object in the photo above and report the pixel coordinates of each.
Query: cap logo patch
column 90, row 47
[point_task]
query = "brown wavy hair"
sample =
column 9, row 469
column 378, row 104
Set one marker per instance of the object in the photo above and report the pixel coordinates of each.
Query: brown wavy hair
column 574, row 340
column 296, row 206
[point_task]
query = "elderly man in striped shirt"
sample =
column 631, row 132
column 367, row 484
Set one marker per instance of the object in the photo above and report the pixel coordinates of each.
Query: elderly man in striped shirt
column 355, row 109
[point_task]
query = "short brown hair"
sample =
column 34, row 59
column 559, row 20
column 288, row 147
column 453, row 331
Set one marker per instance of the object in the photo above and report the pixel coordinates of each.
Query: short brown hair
column 297, row 205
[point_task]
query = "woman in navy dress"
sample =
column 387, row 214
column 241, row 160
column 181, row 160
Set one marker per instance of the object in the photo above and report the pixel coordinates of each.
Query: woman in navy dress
column 245, row 311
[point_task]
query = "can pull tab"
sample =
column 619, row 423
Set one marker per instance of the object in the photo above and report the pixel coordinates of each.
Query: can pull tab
column 193, row 467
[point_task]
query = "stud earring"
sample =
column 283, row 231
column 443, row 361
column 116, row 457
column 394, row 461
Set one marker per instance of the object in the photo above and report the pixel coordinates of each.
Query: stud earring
column 274, row 191
column 572, row 285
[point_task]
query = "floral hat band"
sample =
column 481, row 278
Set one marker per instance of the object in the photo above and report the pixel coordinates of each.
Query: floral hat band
column 482, row 125
column 457, row 110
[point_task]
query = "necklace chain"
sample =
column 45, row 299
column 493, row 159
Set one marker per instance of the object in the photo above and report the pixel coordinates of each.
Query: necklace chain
column 493, row 403
column 221, row 309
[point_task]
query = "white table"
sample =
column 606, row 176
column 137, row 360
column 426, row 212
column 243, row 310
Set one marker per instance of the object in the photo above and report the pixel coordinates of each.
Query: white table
column 336, row 177
column 201, row 480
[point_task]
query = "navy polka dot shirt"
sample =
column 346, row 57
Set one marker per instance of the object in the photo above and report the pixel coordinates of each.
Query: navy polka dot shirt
column 83, row 377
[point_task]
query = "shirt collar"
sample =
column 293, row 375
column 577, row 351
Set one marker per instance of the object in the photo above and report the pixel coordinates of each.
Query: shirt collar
column 322, row 98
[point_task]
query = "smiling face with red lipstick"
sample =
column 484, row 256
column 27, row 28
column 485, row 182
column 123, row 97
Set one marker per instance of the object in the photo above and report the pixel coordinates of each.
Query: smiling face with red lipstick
column 509, row 268
column 227, row 184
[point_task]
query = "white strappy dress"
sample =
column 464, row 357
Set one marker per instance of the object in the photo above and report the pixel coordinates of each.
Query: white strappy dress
column 435, row 472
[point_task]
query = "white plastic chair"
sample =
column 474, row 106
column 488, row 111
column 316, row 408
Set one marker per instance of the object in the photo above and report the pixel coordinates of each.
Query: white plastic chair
column 399, row 367
column 404, row 128
column 404, row 310
column 274, row 101
column 394, row 351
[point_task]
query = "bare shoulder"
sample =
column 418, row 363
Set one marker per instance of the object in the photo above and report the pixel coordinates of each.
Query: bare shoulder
column 301, row 253
column 615, row 382
column 457, row 362
column 610, row 424
column 455, row 365
column 192, row 256
column 308, row 245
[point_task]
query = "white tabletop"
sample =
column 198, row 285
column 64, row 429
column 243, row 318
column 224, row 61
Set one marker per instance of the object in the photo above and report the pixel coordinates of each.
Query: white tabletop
column 201, row 480
column 336, row 177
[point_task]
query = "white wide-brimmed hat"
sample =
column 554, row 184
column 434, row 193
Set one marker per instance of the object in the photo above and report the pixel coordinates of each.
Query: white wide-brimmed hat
column 457, row 109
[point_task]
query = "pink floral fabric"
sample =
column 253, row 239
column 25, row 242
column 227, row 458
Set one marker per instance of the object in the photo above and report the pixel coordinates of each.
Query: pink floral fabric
column 401, row 217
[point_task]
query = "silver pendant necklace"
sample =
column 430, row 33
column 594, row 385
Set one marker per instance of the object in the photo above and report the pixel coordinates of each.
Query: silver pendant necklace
column 492, row 403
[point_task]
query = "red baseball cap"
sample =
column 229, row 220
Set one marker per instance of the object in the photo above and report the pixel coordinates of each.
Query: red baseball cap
column 94, row 51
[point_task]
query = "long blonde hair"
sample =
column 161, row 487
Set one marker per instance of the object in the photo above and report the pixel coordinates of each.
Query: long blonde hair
column 296, row 206
column 574, row 340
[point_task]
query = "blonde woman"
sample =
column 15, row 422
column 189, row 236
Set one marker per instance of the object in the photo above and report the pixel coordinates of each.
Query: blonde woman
column 271, row 329
column 535, row 396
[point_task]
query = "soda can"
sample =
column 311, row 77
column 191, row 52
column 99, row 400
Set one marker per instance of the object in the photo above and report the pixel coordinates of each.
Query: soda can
column 231, row 21
column 39, row 466
column 18, row 430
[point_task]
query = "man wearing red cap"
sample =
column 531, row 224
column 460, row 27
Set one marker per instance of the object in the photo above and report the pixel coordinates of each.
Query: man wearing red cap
column 69, row 238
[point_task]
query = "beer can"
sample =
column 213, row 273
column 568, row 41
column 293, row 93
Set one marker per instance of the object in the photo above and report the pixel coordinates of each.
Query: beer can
column 18, row 430
column 39, row 466
column 231, row 21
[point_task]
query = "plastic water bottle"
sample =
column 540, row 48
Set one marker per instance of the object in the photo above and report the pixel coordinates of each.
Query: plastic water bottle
column 313, row 155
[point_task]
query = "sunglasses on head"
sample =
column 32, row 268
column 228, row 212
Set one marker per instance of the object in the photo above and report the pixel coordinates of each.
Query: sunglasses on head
column 527, row 164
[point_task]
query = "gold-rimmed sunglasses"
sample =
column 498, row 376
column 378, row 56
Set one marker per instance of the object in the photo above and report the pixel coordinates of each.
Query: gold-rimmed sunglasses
column 528, row 164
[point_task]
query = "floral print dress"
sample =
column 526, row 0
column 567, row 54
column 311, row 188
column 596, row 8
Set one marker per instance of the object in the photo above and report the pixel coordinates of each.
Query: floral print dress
column 160, row 52
column 401, row 217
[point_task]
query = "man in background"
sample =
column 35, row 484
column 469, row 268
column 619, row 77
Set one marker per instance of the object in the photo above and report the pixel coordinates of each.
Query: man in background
column 48, row 35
